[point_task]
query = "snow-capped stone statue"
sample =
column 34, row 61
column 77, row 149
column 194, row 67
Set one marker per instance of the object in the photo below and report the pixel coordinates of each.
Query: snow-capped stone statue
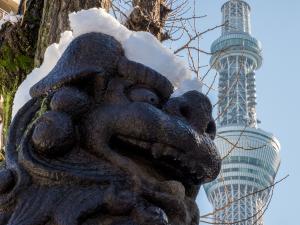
column 102, row 142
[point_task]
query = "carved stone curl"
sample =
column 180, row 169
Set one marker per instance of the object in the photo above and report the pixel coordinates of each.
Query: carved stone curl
column 103, row 143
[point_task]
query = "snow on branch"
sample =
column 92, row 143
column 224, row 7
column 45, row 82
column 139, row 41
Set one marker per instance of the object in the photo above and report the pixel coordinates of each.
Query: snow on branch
column 10, row 17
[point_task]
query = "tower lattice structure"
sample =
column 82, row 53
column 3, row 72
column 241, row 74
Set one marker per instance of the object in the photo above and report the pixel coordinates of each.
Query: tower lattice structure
column 250, row 155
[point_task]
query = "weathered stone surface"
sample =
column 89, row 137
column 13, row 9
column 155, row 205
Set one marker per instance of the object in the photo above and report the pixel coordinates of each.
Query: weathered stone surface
column 53, row 134
column 71, row 101
column 135, row 156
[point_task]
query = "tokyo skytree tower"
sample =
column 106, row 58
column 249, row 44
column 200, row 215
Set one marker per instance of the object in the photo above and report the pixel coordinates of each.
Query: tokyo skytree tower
column 250, row 155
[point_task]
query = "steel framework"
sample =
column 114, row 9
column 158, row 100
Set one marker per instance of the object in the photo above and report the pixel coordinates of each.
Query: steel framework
column 236, row 56
column 2, row 13
column 250, row 155
column 247, row 168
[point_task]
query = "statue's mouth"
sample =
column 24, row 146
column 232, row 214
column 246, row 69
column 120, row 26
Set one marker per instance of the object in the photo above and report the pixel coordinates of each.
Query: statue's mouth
column 169, row 162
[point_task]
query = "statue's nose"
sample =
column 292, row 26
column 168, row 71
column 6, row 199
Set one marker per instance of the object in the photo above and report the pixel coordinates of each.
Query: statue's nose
column 196, row 109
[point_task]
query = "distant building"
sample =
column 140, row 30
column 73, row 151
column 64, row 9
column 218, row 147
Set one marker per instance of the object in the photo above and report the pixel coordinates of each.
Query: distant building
column 250, row 155
column 7, row 6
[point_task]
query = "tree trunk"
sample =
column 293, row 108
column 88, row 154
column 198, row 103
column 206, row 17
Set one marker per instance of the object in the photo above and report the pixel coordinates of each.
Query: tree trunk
column 149, row 15
column 55, row 21
column 17, row 50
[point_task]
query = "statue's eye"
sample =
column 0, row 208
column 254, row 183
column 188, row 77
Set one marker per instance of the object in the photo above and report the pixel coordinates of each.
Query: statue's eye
column 144, row 95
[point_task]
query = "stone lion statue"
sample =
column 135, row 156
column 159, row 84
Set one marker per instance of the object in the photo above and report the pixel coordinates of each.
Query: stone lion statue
column 101, row 142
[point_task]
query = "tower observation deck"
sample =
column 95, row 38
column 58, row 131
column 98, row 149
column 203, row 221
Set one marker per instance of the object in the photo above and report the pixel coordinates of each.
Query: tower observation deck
column 237, row 56
column 250, row 155
column 7, row 6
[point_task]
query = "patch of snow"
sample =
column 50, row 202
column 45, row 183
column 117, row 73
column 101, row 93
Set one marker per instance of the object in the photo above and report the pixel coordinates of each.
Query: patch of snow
column 144, row 48
column 10, row 17
column 52, row 55
column 193, row 84
column 141, row 47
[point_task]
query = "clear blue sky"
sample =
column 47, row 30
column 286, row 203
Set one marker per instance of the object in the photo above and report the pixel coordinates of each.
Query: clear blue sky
column 277, row 25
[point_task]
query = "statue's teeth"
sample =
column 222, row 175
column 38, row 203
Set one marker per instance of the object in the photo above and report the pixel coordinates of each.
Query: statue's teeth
column 141, row 144
column 199, row 177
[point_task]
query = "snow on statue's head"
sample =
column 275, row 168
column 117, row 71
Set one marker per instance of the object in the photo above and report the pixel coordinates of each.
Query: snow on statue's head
column 141, row 47
column 103, row 142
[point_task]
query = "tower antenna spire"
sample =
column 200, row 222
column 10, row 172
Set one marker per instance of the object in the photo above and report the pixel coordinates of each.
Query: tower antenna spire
column 236, row 57
column 236, row 65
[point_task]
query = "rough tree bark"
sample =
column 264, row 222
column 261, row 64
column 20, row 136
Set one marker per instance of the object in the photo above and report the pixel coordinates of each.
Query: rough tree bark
column 55, row 20
column 17, row 50
column 149, row 15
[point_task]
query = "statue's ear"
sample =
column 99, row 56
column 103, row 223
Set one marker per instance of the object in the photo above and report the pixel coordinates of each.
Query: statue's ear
column 100, row 85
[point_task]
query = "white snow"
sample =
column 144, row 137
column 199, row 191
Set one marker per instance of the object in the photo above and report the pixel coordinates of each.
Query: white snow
column 189, row 85
column 10, row 17
column 52, row 54
column 141, row 47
